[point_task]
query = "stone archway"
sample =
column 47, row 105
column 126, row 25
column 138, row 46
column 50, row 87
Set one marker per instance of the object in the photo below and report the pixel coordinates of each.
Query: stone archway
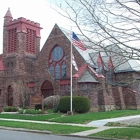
column 47, row 89
column 10, row 96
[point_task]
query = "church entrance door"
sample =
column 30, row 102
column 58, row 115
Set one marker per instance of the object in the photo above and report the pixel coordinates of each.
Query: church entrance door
column 10, row 96
column 47, row 89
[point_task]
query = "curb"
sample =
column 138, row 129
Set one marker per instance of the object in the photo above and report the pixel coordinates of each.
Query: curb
column 48, row 132
column 26, row 130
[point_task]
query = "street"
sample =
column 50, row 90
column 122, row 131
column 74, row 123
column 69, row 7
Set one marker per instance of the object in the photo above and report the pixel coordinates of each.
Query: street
column 18, row 135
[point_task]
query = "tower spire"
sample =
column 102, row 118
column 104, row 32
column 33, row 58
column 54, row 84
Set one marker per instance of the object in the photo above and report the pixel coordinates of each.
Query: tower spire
column 8, row 14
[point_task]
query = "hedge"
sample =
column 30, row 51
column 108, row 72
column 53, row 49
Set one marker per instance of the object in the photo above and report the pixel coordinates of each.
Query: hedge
column 79, row 104
column 10, row 109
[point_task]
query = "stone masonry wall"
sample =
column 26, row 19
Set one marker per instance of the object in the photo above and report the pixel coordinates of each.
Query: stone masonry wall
column 42, row 71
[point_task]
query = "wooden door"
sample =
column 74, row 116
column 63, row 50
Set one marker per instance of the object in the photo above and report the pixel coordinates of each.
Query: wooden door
column 47, row 89
column 10, row 96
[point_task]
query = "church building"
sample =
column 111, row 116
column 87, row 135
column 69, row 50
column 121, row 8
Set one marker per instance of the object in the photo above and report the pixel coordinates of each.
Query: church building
column 109, row 81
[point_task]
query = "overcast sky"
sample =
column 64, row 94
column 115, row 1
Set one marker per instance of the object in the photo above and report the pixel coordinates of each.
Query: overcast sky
column 35, row 10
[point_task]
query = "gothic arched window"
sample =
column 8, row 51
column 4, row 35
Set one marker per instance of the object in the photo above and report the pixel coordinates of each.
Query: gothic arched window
column 57, row 64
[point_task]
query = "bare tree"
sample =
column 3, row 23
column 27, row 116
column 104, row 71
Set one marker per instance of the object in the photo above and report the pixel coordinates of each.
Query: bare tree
column 22, row 89
column 105, row 22
column 23, row 92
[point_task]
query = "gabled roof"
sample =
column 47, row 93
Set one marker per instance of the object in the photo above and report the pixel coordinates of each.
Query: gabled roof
column 80, row 71
column 87, row 77
column 120, row 63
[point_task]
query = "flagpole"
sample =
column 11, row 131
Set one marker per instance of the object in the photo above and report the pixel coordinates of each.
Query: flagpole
column 71, row 76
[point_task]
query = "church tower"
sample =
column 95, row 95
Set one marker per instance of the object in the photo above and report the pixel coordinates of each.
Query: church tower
column 21, row 47
column 21, row 42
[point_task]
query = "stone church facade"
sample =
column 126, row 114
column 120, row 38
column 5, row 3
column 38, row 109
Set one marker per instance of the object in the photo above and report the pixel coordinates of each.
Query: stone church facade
column 26, row 71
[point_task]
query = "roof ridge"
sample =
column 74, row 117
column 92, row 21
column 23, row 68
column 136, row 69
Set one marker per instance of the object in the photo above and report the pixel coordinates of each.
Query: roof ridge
column 80, row 71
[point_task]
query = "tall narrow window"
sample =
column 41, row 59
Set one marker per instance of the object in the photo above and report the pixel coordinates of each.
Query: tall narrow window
column 30, row 41
column 57, row 71
column 57, row 65
column 63, row 70
column 12, row 38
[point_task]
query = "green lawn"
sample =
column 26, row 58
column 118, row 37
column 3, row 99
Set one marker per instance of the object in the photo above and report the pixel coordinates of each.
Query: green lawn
column 76, row 118
column 37, row 117
column 85, row 118
column 54, row 128
column 120, row 133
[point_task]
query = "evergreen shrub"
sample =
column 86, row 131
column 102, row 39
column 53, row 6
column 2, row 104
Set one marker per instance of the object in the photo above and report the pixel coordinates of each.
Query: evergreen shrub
column 79, row 104
column 10, row 109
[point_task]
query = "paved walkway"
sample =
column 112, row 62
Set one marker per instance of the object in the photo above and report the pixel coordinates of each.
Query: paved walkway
column 99, row 124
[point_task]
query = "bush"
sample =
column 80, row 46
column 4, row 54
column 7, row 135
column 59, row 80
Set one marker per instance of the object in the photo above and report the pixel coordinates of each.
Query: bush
column 10, row 109
column 79, row 104
column 64, row 104
column 25, row 107
column 56, row 109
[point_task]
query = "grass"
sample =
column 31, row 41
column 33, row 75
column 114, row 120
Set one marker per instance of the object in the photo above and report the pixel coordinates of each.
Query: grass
column 85, row 118
column 54, row 128
column 38, row 117
column 120, row 133
column 77, row 118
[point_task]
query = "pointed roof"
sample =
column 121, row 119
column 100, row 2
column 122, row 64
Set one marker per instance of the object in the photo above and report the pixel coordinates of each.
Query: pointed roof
column 8, row 14
column 83, row 68
column 80, row 71
column 95, row 73
column 87, row 77
column 110, row 64
column 99, row 60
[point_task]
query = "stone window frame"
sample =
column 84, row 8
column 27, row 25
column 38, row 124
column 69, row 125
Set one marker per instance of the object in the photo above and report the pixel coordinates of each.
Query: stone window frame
column 57, row 62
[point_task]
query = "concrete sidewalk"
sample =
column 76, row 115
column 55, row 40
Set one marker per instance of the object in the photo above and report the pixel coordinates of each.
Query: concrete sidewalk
column 99, row 124
column 88, row 132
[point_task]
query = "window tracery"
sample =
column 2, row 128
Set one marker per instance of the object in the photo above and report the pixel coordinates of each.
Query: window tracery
column 57, row 64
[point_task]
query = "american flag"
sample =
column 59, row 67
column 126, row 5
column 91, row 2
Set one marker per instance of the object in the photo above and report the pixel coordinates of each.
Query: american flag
column 77, row 42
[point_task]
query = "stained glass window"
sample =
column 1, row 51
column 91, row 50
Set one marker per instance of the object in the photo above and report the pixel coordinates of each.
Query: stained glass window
column 57, row 65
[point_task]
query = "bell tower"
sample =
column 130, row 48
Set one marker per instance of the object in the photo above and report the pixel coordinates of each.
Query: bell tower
column 21, row 47
column 21, row 41
column 21, row 36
